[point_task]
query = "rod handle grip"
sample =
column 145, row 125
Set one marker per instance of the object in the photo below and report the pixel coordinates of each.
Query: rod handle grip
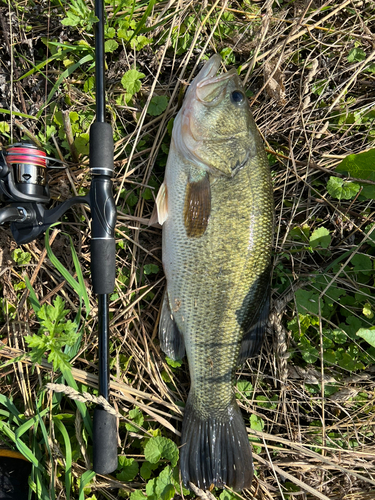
column 103, row 265
column 101, row 149
column 105, row 441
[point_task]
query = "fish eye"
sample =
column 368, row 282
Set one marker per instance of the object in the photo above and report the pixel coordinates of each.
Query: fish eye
column 237, row 97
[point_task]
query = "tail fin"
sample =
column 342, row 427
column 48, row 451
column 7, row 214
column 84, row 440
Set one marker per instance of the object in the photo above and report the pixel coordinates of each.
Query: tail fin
column 215, row 450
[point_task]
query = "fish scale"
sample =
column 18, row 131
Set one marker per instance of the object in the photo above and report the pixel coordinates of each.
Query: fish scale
column 217, row 269
column 221, row 271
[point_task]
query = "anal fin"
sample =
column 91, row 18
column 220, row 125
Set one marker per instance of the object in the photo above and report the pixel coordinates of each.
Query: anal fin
column 171, row 340
column 254, row 333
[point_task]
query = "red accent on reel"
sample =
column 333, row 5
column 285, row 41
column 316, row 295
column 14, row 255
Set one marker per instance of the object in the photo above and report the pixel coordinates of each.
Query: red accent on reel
column 30, row 156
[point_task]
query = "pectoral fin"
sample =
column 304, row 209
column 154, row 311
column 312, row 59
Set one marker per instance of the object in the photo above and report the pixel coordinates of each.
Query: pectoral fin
column 171, row 340
column 197, row 207
column 160, row 212
column 253, row 336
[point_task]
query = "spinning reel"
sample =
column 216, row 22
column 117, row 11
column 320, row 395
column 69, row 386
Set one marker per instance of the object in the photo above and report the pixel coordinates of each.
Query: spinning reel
column 24, row 188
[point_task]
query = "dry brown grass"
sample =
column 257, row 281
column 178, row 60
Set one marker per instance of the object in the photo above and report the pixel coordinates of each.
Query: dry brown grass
column 283, row 50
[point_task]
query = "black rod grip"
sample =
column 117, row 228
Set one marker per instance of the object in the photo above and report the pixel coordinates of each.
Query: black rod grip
column 105, row 425
column 101, row 149
column 103, row 265
column 105, row 441
column 103, row 209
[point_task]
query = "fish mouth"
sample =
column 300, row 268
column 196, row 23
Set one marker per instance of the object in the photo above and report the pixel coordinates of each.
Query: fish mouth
column 210, row 87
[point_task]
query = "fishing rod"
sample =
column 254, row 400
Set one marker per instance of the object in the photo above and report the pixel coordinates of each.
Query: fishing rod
column 24, row 192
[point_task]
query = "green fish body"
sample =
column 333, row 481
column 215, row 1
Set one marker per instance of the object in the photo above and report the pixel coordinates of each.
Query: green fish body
column 216, row 207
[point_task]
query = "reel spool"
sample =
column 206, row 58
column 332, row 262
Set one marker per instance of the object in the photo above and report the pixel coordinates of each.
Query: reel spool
column 26, row 173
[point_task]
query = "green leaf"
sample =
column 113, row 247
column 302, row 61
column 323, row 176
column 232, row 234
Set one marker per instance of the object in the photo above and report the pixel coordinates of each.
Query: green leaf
column 170, row 126
column 370, row 68
column 356, row 54
column 131, row 81
column 68, row 456
column 361, row 166
column 256, row 423
column 173, row 363
column 165, row 489
column 89, row 84
column 157, row 105
column 137, row 495
column 228, row 495
column 130, row 197
column 362, row 263
column 307, row 301
column 140, row 41
column 20, row 257
column 329, row 356
column 19, row 286
column 143, row 20
column 352, row 325
column 70, row 20
column 161, row 447
column 349, row 363
column 147, row 194
column 300, row 325
column 110, row 46
column 54, row 333
column 110, row 32
column 342, row 190
column 339, row 336
column 367, row 334
column 309, row 353
column 81, row 143
column 245, row 389
column 79, row 287
column 4, row 127
column 320, row 237
column 151, row 269
column 33, row 298
column 21, row 446
column 146, row 469
column 124, row 33
column 151, row 489
column 367, row 311
column 73, row 116
column 368, row 191
column 85, row 479
column 137, row 417
column 129, row 469
column 79, row 14
column 15, row 113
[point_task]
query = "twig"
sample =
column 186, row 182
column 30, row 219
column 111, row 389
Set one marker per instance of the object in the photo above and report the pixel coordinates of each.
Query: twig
column 204, row 494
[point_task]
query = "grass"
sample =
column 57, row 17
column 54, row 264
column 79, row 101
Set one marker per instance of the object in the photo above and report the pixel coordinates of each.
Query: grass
column 308, row 399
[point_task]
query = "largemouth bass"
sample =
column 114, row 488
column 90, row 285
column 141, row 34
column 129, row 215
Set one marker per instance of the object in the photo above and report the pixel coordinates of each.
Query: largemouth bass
column 216, row 208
